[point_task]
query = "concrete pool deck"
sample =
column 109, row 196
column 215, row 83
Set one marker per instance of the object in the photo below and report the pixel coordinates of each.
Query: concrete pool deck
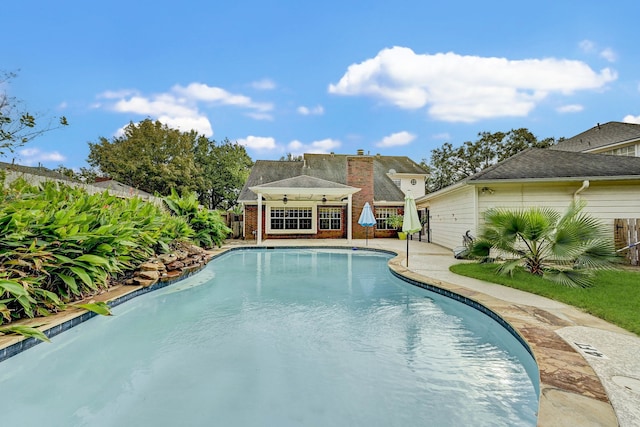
column 589, row 368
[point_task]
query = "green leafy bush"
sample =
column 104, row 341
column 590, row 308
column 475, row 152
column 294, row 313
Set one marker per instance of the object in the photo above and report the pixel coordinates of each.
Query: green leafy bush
column 209, row 227
column 60, row 244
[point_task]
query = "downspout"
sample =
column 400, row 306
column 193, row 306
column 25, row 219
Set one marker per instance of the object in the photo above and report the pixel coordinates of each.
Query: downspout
column 585, row 185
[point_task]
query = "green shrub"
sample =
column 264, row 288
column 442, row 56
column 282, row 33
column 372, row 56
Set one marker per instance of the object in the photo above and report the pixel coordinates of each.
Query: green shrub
column 209, row 227
column 60, row 244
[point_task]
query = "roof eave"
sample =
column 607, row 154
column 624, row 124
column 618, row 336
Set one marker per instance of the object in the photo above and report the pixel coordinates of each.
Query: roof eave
column 442, row 191
column 556, row 179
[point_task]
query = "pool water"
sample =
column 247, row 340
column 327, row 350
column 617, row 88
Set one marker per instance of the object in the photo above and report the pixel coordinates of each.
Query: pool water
column 278, row 338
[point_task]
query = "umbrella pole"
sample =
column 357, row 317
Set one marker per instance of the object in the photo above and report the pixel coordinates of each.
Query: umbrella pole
column 407, row 250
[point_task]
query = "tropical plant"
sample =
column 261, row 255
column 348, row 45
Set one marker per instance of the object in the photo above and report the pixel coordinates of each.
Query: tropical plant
column 60, row 244
column 208, row 226
column 565, row 248
column 395, row 221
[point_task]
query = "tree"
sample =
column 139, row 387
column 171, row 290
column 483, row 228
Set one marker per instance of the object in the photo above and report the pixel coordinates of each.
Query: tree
column 155, row 158
column 449, row 165
column 18, row 126
column 566, row 249
column 86, row 175
column 291, row 158
column 149, row 156
column 223, row 170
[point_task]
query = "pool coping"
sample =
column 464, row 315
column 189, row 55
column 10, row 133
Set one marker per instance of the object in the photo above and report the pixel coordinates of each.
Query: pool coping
column 570, row 390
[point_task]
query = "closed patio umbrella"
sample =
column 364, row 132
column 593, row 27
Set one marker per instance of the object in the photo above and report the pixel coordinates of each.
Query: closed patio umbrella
column 411, row 223
column 367, row 220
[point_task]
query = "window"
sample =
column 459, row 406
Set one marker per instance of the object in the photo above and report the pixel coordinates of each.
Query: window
column 397, row 182
column 381, row 217
column 623, row 151
column 291, row 218
column 330, row 218
column 414, row 182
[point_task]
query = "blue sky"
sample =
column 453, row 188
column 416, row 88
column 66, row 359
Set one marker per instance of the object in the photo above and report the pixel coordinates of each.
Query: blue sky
column 395, row 78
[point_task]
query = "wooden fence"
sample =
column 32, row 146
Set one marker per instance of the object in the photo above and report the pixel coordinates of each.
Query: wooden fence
column 626, row 234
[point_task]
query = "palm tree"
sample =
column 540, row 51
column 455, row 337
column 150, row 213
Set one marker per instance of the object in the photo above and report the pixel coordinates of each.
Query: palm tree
column 563, row 248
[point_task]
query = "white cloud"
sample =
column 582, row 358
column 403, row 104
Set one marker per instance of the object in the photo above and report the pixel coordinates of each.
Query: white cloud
column 572, row 108
column 321, row 146
column 587, row 46
column 396, row 139
column 609, row 55
column 260, row 116
column 258, row 142
column 159, row 105
column 33, row 156
column 216, row 95
column 631, row 119
column 264, row 84
column 306, row 111
column 181, row 106
column 198, row 123
column 460, row 88
column 443, row 136
column 115, row 94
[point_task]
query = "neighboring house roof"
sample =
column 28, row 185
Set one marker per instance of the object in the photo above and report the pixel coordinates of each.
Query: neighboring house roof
column 600, row 136
column 36, row 170
column 117, row 186
column 333, row 168
column 544, row 164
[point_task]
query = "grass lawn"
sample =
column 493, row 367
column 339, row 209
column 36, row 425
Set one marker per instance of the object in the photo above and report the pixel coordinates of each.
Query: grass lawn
column 615, row 297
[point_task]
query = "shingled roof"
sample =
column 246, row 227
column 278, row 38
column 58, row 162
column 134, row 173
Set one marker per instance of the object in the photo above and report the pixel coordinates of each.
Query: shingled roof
column 545, row 164
column 601, row 136
column 331, row 167
column 36, row 170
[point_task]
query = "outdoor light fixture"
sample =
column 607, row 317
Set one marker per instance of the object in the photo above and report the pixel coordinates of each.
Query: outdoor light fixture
column 487, row 190
column 324, row 199
column 284, row 199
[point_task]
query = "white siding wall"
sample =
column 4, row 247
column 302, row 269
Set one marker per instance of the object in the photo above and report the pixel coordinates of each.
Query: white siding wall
column 612, row 201
column 605, row 200
column 452, row 215
column 417, row 190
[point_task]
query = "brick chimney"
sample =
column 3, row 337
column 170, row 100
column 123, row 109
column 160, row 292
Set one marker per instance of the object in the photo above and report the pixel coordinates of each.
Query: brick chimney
column 360, row 175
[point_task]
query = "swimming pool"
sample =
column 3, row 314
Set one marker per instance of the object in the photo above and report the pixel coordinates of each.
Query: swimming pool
column 305, row 337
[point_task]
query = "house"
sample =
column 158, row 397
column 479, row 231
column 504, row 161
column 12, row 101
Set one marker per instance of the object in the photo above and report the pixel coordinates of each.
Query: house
column 119, row 189
column 39, row 175
column 32, row 174
column 609, row 184
column 322, row 196
column 617, row 138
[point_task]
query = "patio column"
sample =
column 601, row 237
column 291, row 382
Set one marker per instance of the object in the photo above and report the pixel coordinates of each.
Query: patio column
column 259, row 232
column 349, row 217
